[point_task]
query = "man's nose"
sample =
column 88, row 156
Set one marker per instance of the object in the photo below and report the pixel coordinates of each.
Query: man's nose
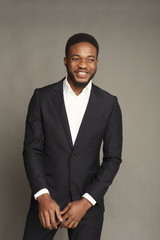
column 82, row 63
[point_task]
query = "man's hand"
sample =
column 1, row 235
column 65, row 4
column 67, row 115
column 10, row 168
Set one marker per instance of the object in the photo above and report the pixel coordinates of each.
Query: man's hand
column 74, row 212
column 49, row 211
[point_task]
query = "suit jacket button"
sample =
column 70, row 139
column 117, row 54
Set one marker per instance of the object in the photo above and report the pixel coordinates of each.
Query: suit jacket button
column 72, row 155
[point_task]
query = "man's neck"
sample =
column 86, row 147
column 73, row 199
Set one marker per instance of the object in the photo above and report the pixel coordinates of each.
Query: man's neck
column 76, row 89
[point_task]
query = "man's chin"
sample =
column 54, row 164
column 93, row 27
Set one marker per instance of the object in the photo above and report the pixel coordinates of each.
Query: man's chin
column 81, row 83
column 78, row 82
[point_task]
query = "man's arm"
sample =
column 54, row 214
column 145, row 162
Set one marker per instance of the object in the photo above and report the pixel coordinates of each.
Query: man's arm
column 49, row 210
column 112, row 149
column 33, row 146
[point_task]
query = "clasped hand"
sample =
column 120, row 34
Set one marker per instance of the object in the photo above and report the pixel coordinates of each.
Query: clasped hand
column 51, row 217
column 74, row 212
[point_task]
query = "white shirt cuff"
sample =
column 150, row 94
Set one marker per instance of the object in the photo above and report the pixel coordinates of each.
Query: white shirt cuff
column 40, row 192
column 89, row 198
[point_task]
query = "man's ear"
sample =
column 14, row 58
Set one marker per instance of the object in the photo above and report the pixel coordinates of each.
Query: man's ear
column 65, row 61
column 97, row 61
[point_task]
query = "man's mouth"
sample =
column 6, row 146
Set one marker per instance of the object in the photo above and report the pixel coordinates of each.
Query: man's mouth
column 82, row 74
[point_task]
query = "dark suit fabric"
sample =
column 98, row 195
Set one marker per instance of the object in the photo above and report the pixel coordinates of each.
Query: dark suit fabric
column 52, row 162
column 89, row 227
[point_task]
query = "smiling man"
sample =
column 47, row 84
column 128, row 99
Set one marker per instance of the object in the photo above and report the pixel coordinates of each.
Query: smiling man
column 81, row 63
column 67, row 122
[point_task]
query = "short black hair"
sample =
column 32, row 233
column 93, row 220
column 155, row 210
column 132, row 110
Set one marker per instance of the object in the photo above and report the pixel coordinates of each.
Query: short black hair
column 81, row 37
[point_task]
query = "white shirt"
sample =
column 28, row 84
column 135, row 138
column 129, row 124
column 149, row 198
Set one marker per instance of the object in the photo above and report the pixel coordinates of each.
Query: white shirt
column 75, row 106
column 75, row 109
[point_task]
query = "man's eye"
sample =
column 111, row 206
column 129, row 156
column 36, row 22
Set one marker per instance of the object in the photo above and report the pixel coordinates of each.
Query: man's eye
column 75, row 59
column 91, row 60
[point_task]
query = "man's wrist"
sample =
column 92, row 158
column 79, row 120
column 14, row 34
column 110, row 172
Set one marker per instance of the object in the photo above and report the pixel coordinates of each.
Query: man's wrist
column 86, row 203
column 43, row 197
column 40, row 192
column 89, row 198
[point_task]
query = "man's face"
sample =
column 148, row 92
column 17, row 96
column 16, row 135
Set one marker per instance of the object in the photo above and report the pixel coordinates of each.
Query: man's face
column 81, row 63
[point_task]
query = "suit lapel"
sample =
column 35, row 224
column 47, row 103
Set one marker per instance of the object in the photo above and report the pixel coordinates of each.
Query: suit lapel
column 89, row 114
column 58, row 101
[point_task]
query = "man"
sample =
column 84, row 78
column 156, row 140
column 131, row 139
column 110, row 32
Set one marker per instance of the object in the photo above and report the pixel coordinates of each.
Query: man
column 66, row 124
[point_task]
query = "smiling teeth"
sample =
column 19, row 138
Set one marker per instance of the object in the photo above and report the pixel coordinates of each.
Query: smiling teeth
column 83, row 73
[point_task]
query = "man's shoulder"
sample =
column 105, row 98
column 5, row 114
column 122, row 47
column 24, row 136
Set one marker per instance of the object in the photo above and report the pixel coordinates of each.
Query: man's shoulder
column 105, row 94
column 54, row 86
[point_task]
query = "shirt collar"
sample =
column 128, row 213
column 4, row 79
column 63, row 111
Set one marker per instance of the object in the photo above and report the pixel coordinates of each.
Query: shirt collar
column 67, row 88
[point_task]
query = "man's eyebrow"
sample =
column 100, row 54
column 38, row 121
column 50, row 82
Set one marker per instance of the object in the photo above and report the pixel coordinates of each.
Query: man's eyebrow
column 75, row 55
column 91, row 56
column 79, row 55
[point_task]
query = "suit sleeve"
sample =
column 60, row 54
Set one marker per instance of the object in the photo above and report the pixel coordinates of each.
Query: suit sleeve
column 112, row 148
column 33, row 145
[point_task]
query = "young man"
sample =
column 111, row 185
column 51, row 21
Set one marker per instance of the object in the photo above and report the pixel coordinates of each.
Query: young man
column 66, row 124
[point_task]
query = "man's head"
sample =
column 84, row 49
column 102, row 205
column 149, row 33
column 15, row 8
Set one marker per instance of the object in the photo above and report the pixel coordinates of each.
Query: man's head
column 81, row 37
column 81, row 58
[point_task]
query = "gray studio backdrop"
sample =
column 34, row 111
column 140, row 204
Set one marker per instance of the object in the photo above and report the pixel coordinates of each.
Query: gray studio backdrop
column 32, row 39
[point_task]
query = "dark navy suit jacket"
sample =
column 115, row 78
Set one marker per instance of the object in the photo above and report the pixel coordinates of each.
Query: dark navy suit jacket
column 51, row 160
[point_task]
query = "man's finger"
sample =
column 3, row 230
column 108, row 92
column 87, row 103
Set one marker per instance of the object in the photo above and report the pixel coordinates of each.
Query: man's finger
column 65, row 209
column 66, row 223
column 65, row 216
column 53, row 221
column 42, row 220
column 76, row 224
column 58, row 215
column 48, row 221
column 71, row 224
